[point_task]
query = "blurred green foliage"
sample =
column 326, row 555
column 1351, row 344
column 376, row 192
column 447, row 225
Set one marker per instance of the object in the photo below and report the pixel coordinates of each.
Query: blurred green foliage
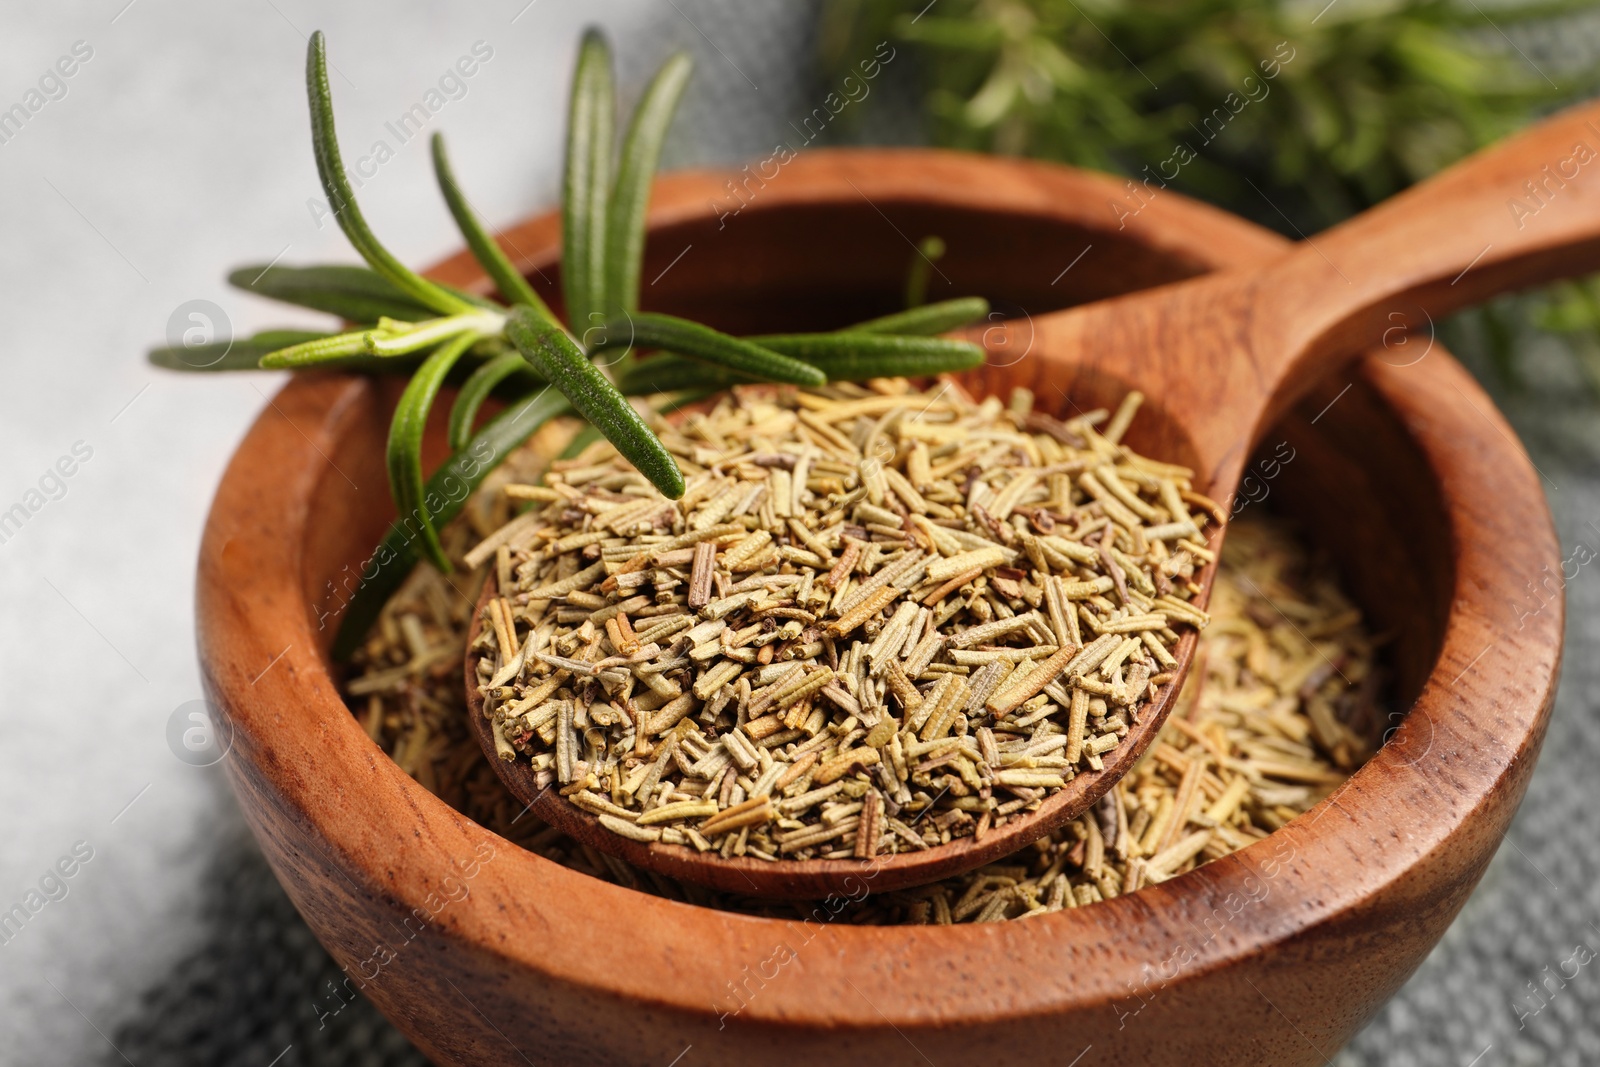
column 1297, row 114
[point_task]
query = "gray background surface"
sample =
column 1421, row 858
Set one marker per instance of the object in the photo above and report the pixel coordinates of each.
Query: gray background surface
column 180, row 149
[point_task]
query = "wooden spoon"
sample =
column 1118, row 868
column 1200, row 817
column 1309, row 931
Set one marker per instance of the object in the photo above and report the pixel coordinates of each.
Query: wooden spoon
column 1218, row 358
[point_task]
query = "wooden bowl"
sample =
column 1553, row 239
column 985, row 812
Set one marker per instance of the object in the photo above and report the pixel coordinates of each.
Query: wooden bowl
column 485, row 954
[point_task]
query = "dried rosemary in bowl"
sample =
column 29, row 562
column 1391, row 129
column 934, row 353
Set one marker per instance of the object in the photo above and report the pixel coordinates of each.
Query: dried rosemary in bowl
column 878, row 619
column 1261, row 718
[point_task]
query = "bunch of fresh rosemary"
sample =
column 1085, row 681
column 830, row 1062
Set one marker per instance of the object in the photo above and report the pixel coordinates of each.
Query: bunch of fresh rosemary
column 1364, row 100
column 520, row 349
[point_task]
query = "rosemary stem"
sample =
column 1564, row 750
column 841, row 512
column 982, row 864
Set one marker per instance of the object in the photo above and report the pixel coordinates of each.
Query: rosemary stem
column 397, row 339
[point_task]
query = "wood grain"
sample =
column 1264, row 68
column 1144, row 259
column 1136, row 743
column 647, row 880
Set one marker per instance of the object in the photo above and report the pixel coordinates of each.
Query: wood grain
column 1273, row 955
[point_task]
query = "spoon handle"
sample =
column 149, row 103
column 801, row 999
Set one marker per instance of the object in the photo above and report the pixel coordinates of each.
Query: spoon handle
column 1523, row 211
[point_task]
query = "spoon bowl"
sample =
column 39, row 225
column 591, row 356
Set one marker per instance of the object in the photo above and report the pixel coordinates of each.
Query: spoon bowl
column 1218, row 356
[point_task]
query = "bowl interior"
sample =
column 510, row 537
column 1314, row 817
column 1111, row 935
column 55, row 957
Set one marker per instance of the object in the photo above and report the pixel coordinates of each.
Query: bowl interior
column 813, row 266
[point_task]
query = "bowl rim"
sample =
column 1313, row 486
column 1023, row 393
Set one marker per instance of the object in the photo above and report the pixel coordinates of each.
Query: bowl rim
column 297, row 747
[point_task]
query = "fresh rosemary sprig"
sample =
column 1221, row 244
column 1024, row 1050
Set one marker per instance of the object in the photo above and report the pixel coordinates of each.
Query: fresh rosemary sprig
column 644, row 330
column 401, row 321
column 630, row 196
column 556, row 356
column 850, row 355
column 929, row 319
column 405, row 441
column 330, row 169
column 356, row 294
column 478, row 388
column 243, row 353
column 590, row 125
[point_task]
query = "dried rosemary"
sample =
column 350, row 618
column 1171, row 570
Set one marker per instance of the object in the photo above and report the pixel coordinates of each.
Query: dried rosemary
column 877, row 619
column 1285, row 668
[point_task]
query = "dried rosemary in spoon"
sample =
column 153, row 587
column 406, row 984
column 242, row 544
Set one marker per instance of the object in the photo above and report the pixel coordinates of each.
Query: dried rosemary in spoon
column 875, row 623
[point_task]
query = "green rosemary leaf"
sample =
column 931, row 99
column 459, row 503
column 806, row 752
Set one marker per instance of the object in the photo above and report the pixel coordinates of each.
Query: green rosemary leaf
column 355, row 294
column 930, row 250
column 446, row 493
column 668, row 373
column 328, row 349
column 556, row 356
column 485, row 249
column 477, row 388
column 242, row 353
column 630, row 196
column 857, row 356
column 927, row 320
column 590, row 128
column 342, row 200
column 647, row 330
column 404, row 455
